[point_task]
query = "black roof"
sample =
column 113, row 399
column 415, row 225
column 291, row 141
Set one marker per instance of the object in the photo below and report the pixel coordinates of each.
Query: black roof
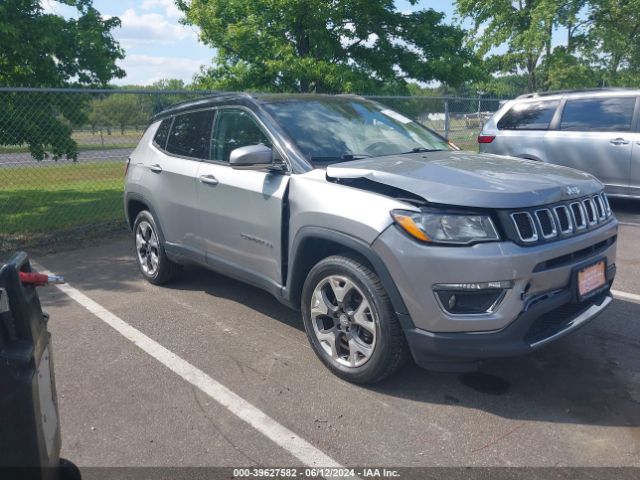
column 197, row 103
column 225, row 97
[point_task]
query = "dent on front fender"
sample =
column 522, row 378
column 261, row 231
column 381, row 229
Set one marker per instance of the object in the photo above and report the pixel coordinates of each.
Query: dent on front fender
column 314, row 201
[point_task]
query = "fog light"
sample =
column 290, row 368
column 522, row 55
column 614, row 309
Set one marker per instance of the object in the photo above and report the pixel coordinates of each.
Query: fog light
column 452, row 302
column 471, row 298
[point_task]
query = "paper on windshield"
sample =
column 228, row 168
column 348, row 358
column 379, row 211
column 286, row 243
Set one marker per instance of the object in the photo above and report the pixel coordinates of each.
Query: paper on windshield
column 396, row 116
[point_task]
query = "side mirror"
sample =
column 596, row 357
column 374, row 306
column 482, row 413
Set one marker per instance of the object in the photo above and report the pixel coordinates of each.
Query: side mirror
column 257, row 156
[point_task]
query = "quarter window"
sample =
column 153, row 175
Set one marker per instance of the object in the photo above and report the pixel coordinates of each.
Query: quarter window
column 598, row 114
column 190, row 134
column 235, row 129
column 529, row 116
column 162, row 133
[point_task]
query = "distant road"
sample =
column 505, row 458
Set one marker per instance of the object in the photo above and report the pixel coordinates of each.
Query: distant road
column 25, row 159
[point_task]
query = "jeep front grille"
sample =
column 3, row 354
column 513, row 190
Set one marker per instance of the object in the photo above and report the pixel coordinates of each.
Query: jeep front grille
column 579, row 219
column 563, row 216
column 559, row 221
column 524, row 226
column 546, row 223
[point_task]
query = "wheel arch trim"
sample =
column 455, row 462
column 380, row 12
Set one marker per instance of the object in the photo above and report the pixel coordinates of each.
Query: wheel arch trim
column 133, row 196
column 296, row 276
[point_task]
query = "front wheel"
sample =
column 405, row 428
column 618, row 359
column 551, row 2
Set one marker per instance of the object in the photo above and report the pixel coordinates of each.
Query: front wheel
column 350, row 321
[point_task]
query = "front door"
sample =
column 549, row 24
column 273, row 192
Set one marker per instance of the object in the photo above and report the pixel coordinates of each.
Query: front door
column 241, row 210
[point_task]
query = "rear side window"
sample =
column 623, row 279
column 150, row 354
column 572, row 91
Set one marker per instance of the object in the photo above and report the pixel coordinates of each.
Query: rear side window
column 190, row 134
column 160, row 139
column 598, row 114
column 529, row 116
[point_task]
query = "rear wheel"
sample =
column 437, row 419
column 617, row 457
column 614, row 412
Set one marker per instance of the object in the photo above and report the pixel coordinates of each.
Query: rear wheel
column 350, row 322
column 150, row 255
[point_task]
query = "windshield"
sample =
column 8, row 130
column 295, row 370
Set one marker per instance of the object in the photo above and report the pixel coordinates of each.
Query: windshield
column 335, row 129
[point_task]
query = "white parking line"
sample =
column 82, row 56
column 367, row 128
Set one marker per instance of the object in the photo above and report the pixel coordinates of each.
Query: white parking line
column 626, row 296
column 309, row 455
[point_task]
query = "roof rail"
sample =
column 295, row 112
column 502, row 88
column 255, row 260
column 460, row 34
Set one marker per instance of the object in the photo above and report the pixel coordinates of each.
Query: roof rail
column 176, row 107
column 579, row 90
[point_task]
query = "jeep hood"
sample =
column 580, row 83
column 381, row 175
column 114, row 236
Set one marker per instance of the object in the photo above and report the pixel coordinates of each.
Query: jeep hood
column 471, row 179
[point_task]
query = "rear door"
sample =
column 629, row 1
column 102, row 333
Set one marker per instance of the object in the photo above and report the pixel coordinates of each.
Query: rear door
column 172, row 177
column 595, row 134
column 241, row 210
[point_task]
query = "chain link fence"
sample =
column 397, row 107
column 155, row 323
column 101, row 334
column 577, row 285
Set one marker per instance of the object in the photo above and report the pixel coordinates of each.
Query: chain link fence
column 63, row 152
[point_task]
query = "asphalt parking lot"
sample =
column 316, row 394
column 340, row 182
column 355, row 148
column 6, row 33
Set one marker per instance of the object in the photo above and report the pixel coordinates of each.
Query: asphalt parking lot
column 575, row 403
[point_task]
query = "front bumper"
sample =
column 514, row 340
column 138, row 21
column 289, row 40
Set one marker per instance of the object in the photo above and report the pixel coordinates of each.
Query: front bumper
column 540, row 308
column 543, row 323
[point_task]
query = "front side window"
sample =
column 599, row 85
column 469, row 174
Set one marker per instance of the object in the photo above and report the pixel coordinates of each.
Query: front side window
column 190, row 134
column 529, row 116
column 333, row 129
column 235, row 129
column 598, row 114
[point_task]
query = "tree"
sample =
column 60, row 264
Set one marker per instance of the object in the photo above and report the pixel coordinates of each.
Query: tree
column 616, row 34
column 47, row 50
column 118, row 109
column 325, row 46
column 524, row 26
column 156, row 103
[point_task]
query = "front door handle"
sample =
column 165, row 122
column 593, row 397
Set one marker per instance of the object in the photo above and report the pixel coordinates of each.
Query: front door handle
column 208, row 179
column 618, row 141
column 155, row 168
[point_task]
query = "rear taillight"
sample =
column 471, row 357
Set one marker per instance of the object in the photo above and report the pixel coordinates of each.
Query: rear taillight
column 486, row 138
column 126, row 166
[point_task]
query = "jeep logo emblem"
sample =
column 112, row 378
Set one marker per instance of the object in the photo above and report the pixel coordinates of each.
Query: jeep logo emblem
column 572, row 190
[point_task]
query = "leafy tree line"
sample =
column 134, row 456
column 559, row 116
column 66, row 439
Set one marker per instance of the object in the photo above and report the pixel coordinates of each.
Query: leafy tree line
column 599, row 47
column 368, row 46
column 45, row 50
column 364, row 46
column 328, row 46
column 122, row 110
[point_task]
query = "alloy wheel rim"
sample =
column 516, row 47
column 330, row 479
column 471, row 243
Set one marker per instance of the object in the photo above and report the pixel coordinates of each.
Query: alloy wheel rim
column 147, row 248
column 343, row 321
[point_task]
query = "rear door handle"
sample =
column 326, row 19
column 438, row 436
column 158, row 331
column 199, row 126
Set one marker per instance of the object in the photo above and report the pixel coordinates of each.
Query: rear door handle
column 619, row 141
column 155, row 168
column 208, row 179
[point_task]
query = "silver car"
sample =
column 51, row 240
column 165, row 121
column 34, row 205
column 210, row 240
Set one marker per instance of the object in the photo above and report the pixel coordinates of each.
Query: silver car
column 390, row 243
column 594, row 131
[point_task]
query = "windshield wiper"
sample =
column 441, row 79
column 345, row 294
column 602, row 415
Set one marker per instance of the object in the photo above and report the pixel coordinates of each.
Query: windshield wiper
column 345, row 157
column 421, row 150
column 354, row 156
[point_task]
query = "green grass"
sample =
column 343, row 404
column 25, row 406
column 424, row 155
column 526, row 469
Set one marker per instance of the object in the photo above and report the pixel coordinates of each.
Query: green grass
column 52, row 198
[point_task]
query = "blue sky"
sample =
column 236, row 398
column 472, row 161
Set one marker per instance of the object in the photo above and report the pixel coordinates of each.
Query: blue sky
column 158, row 47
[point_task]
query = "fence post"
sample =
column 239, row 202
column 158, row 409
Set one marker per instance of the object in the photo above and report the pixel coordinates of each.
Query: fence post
column 446, row 118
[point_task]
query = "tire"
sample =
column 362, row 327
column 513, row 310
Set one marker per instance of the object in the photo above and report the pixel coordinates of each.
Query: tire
column 362, row 316
column 151, row 258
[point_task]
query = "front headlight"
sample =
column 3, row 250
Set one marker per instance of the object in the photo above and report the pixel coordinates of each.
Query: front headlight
column 454, row 228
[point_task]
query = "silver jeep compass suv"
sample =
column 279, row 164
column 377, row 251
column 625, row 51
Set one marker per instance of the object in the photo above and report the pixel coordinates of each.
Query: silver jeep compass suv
column 389, row 242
